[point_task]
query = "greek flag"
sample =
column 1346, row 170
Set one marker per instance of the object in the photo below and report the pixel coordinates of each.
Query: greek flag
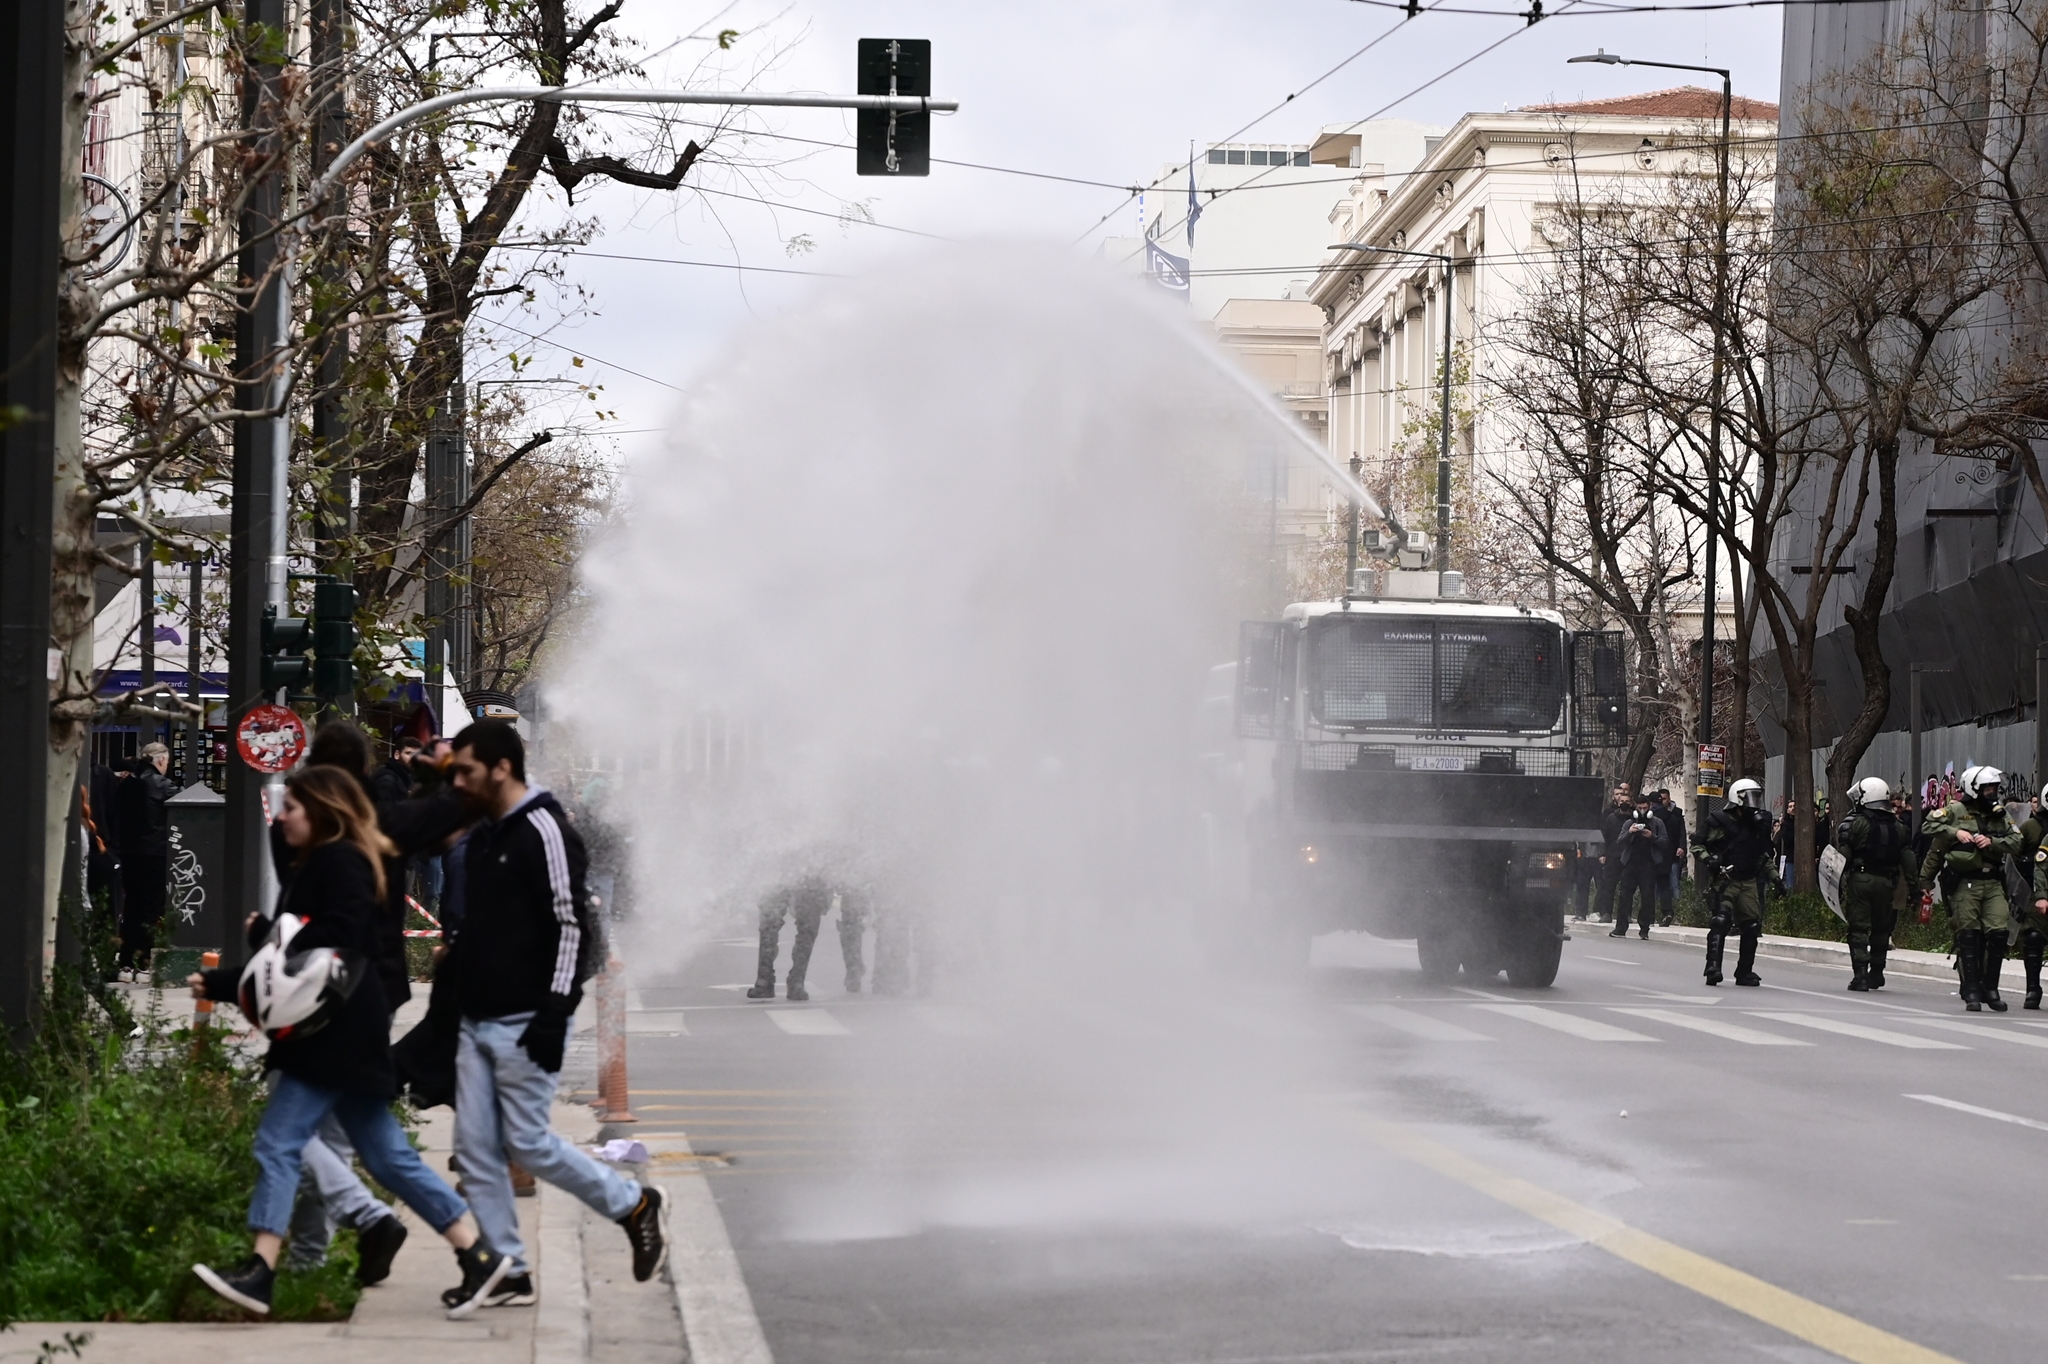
column 1194, row 203
column 1168, row 271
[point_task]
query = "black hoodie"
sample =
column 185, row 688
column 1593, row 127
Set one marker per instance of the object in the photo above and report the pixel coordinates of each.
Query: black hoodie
column 524, row 924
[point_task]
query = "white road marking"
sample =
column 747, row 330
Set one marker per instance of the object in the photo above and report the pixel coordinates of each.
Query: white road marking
column 719, row 1322
column 1481, row 994
column 1863, row 1001
column 1835, row 1025
column 1666, row 994
column 1870, row 1222
column 1617, row 961
column 740, row 985
column 1707, row 1023
column 2025, row 1039
column 656, row 1022
column 1587, row 1028
column 1415, row 1024
column 1961, row 1107
column 807, row 1022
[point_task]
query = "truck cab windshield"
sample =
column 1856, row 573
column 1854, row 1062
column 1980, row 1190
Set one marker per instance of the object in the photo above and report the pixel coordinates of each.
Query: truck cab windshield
column 1418, row 674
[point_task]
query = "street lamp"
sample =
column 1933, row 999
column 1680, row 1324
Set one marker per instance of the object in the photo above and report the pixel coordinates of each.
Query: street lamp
column 1443, row 456
column 1710, row 604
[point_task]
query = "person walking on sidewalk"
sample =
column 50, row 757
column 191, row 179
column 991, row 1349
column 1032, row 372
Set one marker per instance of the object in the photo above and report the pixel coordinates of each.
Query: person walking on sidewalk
column 1873, row 845
column 1969, row 840
column 519, row 969
column 145, row 829
column 341, row 1063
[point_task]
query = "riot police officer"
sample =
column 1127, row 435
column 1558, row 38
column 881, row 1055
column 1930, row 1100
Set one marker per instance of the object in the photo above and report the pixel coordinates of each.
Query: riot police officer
column 1968, row 842
column 1733, row 847
column 805, row 900
column 1873, row 844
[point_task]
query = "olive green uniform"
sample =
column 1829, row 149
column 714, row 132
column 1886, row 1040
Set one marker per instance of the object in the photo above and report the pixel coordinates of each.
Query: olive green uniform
column 1733, row 848
column 1973, row 888
column 1874, row 846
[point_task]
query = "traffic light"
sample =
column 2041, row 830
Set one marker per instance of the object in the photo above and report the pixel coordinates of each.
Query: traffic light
column 334, row 640
column 285, row 666
column 887, row 143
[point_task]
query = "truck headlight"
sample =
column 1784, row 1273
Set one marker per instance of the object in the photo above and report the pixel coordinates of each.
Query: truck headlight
column 1308, row 853
column 1550, row 861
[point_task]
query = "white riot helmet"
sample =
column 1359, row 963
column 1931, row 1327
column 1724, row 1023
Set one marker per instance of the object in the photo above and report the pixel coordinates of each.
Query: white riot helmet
column 290, row 994
column 1978, row 781
column 1747, row 793
column 1872, row 793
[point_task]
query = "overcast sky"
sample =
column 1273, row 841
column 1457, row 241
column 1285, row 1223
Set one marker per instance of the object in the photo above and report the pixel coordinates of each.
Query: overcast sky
column 1107, row 90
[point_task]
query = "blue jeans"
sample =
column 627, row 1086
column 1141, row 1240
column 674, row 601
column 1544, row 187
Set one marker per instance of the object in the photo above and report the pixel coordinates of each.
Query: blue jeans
column 330, row 1196
column 501, row 1111
column 294, row 1114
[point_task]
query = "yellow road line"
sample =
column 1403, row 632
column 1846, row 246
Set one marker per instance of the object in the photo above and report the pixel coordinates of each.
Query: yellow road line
column 1833, row 1331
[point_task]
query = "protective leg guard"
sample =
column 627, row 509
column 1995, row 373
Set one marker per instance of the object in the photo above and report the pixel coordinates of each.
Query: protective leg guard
column 1995, row 947
column 1970, row 967
column 1859, row 966
column 764, row 966
column 1746, row 958
column 1717, row 938
column 2031, row 943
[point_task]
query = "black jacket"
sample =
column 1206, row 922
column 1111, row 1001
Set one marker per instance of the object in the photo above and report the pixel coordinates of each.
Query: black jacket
column 391, row 782
column 524, row 924
column 334, row 890
column 1644, row 842
column 1674, row 824
column 144, row 825
column 1613, row 821
column 413, row 826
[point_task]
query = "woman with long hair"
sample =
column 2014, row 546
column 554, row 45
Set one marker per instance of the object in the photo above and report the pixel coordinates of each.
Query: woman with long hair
column 343, row 1066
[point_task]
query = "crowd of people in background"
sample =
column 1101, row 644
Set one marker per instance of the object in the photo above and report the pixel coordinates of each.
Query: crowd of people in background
column 328, row 968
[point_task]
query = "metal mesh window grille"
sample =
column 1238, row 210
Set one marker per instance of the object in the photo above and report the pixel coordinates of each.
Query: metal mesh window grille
column 1451, row 676
column 1339, row 756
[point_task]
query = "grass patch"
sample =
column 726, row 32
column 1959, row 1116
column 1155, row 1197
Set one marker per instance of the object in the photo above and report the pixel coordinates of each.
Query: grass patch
column 125, row 1156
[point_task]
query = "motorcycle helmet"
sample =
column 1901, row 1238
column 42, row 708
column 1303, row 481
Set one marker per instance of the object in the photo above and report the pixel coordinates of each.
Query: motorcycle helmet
column 1872, row 793
column 1982, row 783
column 291, row 994
column 1747, row 793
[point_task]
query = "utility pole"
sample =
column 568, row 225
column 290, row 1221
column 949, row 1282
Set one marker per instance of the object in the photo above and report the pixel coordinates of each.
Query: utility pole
column 256, row 565
column 448, row 616
column 333, row 519
column 31, row 98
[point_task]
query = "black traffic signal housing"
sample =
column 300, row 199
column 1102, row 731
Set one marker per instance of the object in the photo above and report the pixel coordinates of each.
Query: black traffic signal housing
column 334, row 640
column 285, row 639
column 886, row 143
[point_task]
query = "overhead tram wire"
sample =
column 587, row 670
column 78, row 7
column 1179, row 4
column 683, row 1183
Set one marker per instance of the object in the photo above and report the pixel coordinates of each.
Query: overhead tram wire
column 1134, row 192
column 1394, row 103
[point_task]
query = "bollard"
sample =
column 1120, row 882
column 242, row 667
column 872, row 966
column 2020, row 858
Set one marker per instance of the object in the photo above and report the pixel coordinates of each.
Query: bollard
column 203, row 1010
column 612, row 1090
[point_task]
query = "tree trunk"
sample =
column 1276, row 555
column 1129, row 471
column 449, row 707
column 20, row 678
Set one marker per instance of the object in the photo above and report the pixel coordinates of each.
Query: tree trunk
column 1864, row 620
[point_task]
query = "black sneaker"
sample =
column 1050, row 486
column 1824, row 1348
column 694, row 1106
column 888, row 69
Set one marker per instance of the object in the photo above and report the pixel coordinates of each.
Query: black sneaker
column 376, row 1246
column 647, row 1228
column 514, row 1290
column 483, row 1269
column 761, row 990
column 797, row 994
column 247, row 1285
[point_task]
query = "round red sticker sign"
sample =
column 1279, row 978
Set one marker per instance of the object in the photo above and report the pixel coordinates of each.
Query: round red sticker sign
column 271, row 738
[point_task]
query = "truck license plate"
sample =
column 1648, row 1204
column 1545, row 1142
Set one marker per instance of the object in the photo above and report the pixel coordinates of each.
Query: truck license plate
column 1437, row 762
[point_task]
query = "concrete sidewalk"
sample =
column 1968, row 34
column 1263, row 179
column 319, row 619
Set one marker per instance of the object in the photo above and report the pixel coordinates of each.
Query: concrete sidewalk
column 1898, row 962
column 588, row 1313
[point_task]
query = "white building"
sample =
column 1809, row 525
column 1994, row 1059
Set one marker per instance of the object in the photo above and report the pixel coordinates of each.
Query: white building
column 1265, row 209
column 1482, row 196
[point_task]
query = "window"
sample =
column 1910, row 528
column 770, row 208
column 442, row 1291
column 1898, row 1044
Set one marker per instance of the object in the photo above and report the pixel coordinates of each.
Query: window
column 1236, row 155
column 1258, row 156
column 1216, row 156
column 1301, row 158
column 1418, row 674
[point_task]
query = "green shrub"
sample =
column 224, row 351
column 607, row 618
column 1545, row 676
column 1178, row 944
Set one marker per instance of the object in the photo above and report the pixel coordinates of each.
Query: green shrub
column 125, row 1156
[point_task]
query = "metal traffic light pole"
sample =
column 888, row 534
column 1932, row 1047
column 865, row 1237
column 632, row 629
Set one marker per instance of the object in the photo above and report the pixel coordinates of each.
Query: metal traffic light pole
column 258, row 571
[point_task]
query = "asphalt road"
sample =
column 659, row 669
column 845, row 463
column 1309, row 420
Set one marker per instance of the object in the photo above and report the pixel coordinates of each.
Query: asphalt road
column 1353, row 1166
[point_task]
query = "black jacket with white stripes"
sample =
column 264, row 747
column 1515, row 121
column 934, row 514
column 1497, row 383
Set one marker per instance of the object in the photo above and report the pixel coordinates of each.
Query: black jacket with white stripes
column 523, row 926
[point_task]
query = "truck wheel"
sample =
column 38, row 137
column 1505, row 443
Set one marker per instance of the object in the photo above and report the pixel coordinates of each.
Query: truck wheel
column 1437, row 953
column 1533, row 963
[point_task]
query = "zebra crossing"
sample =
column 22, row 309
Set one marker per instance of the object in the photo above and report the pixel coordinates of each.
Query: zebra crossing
column 1484, row 1020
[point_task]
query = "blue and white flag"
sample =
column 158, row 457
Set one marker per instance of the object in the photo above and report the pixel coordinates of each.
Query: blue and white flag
column 1194, row 203
column 1167, row 270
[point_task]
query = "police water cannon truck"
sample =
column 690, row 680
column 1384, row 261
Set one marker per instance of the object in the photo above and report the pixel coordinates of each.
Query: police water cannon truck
column 1431, row 767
